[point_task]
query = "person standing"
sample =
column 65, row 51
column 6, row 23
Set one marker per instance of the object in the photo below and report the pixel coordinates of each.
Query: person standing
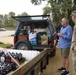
column 73, row 46
column 65, row 37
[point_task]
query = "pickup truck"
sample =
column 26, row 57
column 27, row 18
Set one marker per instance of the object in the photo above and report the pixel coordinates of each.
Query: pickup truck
column 34, row 33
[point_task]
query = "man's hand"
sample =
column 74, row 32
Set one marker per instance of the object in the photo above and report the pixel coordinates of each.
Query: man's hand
column 59, row 34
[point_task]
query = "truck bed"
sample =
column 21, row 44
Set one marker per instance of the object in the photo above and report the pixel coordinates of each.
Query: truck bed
column 34, row 66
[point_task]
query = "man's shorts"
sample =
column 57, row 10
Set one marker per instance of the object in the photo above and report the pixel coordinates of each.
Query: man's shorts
column 65, row 52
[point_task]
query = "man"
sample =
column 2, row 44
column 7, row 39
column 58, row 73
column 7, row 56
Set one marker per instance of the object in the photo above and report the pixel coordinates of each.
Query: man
column 65, row 36
column 74, row 41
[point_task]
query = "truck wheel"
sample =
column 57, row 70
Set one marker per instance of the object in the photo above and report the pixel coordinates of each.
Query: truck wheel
column 23, row 45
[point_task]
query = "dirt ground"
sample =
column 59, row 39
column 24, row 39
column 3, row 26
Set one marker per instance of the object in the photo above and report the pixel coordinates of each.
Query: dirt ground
column 6, row 37
column 55, row 63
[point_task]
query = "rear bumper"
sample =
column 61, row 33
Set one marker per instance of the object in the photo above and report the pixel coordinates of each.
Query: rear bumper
column 52, row 47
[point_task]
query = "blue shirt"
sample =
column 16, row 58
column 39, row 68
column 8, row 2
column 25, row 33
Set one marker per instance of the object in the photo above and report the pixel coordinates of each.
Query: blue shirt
column 65, row 41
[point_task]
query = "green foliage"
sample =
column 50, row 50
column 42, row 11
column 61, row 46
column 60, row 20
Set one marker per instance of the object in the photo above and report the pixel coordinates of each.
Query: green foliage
column 23, row 14
column 36, row 2
column 8, row 22
column 1, row 20
column 58, row 9
column 46, row 10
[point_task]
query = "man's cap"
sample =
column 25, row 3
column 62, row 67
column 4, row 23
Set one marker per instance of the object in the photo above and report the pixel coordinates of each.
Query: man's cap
column 73, row 13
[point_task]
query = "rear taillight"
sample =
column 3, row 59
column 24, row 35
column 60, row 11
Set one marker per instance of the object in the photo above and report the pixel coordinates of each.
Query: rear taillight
column 52, row 41
column 15, row 41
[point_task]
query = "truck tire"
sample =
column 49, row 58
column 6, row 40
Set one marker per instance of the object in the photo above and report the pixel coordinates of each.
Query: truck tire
column 23, row 45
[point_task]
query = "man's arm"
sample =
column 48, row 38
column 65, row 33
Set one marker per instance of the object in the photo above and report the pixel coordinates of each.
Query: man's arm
column 68, row 34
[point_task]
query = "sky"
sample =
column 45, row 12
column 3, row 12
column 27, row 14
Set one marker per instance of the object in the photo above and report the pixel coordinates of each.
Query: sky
column 19, row 6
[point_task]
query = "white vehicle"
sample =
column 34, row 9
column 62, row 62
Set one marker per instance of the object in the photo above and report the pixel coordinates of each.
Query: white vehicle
column 2, row 29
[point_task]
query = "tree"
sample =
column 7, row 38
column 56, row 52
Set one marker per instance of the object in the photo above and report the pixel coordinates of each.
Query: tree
column 58, row 9
column 11, row 21
column 36, row 2
column 1, row 20
column 6, row 20
column 24, row 14
column 11, row 13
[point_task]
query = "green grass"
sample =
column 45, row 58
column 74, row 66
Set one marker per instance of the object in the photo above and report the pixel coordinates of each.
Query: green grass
column 5, row 45
column 10, row 28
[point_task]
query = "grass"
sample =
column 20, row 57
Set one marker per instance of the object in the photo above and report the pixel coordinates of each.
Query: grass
column 5, row 45
column 10, row 28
